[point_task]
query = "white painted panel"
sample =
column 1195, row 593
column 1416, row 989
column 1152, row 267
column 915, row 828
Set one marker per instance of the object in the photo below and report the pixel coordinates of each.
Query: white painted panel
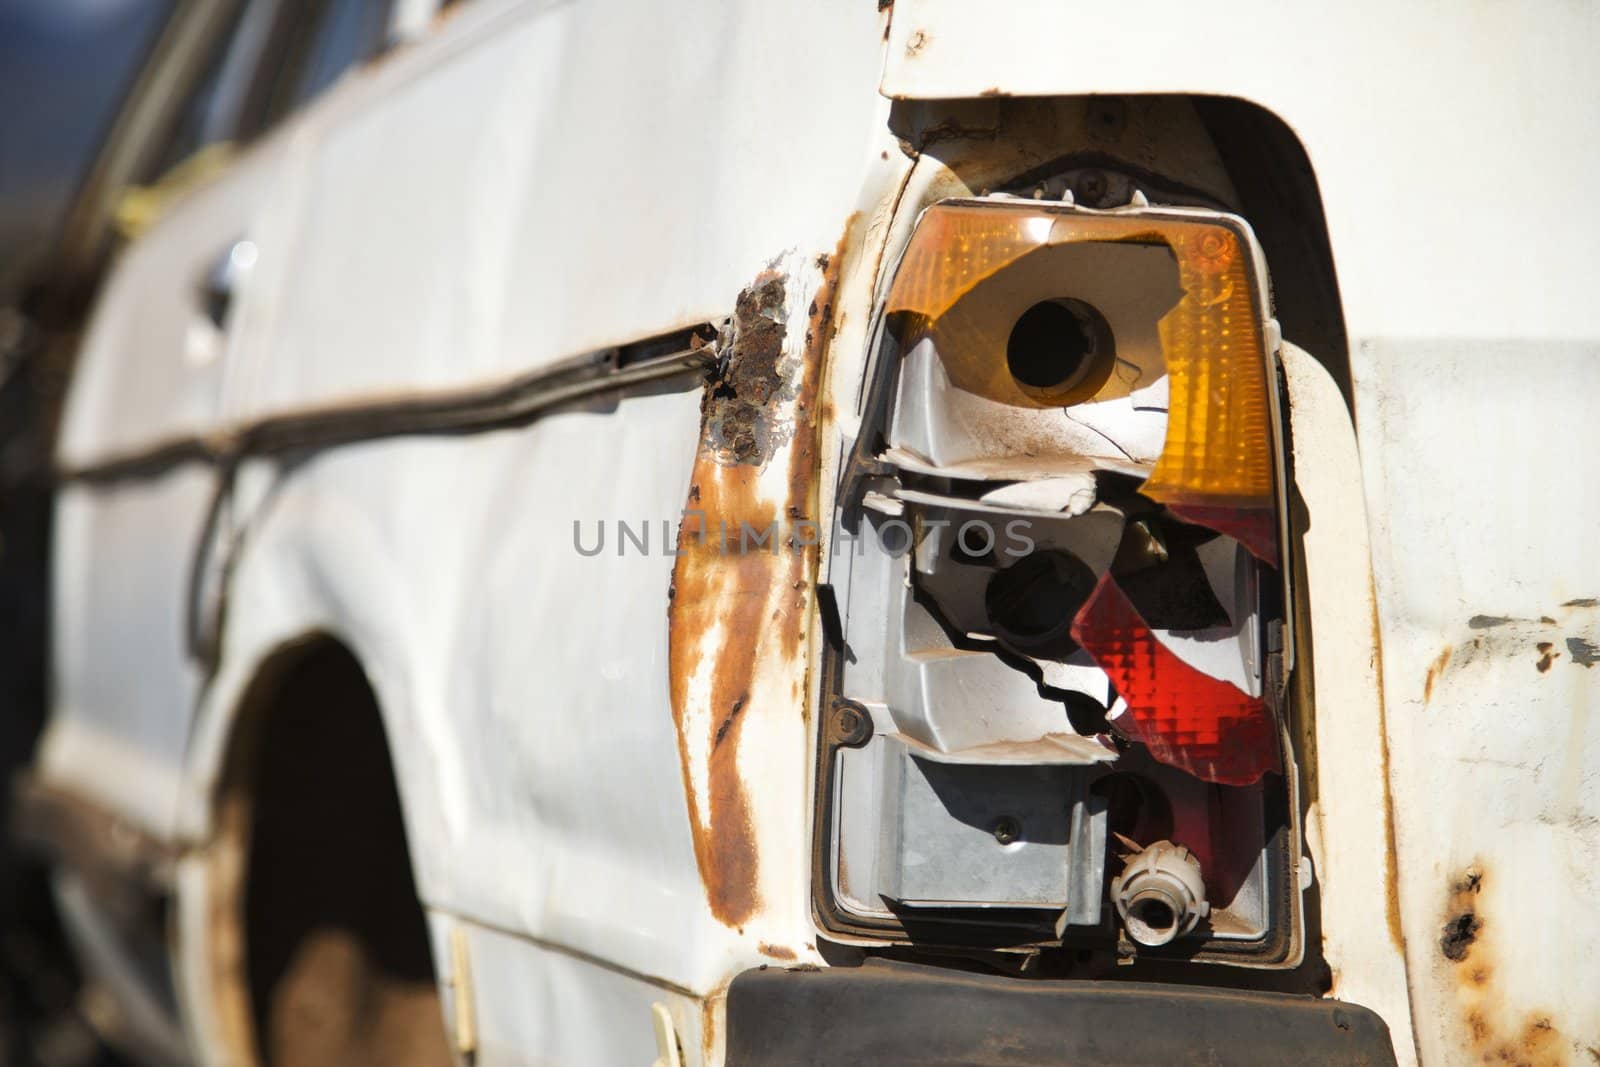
column 536, row 1004
column 1451, row 142
column 548, row 179
column 1480, row 461
column 524, row 685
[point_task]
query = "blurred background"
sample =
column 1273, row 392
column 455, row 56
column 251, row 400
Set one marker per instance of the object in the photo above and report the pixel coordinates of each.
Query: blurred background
column 109, row 110
column 68, row 69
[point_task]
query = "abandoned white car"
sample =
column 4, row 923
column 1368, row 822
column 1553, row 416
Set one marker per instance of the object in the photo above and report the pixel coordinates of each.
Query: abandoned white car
column 917, row 532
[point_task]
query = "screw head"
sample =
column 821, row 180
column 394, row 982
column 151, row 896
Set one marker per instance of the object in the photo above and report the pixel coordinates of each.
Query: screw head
column 1006, row 830
column 1091, row 187
column 850, row 725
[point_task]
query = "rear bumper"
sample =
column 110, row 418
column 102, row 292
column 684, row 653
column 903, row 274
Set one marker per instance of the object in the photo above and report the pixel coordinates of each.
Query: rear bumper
column 898, row 1014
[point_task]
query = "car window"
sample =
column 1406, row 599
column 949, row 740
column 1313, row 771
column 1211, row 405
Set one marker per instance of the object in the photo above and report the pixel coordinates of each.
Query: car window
column 274, row 57
column 312, row 43
column 193, row 130
column 350, row 31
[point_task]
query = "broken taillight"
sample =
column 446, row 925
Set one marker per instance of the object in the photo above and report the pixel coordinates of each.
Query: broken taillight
column 1061, row 607
column 971, row 278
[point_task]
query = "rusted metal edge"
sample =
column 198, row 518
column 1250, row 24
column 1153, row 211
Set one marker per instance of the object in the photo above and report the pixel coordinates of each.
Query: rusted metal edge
column 445, row 412
column 120, row 865
column 739, row 625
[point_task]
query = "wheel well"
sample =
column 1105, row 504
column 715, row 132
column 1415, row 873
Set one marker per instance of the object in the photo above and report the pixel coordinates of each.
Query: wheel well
column 322, row 925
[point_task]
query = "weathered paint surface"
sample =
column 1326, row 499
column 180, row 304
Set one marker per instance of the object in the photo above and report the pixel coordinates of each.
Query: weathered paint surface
column 742, row 585
column 1495, row 755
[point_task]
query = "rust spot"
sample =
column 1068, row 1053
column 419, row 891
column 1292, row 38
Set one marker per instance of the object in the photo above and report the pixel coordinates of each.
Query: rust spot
column 740, row 614
column 1463, row 923
column 1436, row 668
column 994, row 90
column 1491, row 1035
column 777, row 952
column 1547, row 656
column 1460, row 931
column 1536, row 1043
column 741, row 417
column 916, row 43
column 1582, row 602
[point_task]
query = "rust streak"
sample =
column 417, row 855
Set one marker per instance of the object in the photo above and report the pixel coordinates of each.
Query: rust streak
column 739, row 611
column 726, row 595
column 1436, row 668
column 1391, row 866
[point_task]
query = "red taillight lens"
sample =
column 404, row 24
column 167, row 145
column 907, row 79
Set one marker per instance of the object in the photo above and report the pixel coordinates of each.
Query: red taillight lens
column 1187, row 718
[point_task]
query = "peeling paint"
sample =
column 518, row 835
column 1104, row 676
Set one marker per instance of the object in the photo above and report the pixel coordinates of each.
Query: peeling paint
column 1584, row 653
column 745, row 416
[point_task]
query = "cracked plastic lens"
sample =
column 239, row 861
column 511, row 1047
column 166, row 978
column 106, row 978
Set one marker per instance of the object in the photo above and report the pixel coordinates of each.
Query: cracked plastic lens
column 1216, row 467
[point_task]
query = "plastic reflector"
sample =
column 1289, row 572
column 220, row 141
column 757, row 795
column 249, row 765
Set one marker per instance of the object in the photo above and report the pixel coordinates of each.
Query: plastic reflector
column 1186, row 718
column 1216, row 467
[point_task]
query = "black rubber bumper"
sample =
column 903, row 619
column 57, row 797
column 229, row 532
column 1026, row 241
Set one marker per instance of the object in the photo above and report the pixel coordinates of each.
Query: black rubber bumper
column 898, row 1014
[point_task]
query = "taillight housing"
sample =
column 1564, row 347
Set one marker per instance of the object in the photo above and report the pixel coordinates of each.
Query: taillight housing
column 1072, row 416
column 1217, row 466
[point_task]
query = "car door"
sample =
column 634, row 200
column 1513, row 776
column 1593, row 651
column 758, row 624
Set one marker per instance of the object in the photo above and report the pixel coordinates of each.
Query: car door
column 135, row 570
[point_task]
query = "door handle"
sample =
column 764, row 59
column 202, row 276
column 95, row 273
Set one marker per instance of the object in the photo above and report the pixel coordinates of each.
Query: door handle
column 223, row 279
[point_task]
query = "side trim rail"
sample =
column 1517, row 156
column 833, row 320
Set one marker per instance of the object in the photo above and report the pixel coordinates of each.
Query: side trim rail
column 475, row 410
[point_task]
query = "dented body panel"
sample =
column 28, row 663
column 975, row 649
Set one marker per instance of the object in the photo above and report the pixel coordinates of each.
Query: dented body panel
column 606, row 760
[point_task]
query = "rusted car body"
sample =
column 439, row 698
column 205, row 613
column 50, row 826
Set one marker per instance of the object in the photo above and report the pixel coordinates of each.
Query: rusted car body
column 457, row 384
